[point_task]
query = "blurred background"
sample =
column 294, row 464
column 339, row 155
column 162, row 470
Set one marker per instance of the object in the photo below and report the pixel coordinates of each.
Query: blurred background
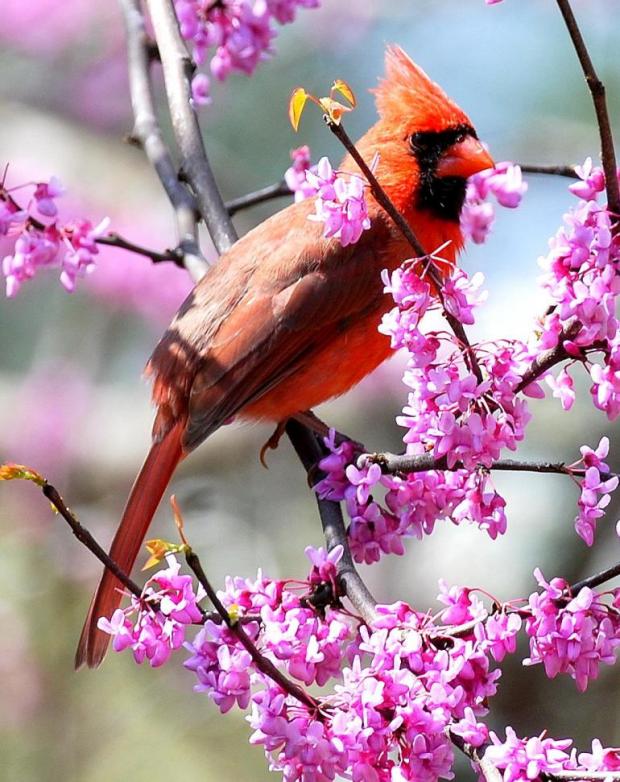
column 73, row 405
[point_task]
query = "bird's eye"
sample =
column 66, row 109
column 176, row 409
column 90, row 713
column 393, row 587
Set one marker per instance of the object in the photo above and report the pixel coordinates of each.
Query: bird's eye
column 416, row 141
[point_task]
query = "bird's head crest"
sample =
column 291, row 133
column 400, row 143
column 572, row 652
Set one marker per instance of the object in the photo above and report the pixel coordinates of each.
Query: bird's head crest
column 407, row 95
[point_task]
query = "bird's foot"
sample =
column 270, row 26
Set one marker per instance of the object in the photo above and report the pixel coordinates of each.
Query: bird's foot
column 272, row 443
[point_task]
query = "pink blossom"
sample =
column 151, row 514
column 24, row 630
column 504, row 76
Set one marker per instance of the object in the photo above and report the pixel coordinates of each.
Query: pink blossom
column 470, row 730
column 592, row 181
column 237, row 36
column 524, row 760
column 570, row 636
column 154, row 626
column 563, row 388
column 340, row 203
column 44, row 195
column 505, row 183
column 69, row 246
column 200, row 89
column 295, row 176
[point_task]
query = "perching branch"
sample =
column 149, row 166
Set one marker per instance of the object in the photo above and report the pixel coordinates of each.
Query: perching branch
column 262, row 663
column 178, row 68
column 391, row 463
column 422, row 255
column 597, row 90
column 148, row 133
column 310, row 453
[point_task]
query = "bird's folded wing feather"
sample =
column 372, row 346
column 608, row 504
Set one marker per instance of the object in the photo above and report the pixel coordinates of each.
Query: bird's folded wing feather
column 270, row 333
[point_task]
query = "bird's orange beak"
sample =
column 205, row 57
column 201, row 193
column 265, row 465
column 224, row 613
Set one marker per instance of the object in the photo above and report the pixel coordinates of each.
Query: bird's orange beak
column 463, row 159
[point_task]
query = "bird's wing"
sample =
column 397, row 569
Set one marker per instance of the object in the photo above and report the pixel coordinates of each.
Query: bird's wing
column 269, row 334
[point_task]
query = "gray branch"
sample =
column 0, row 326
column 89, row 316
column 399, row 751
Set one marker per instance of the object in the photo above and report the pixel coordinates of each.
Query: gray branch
column 178, row 68
column 147, row 133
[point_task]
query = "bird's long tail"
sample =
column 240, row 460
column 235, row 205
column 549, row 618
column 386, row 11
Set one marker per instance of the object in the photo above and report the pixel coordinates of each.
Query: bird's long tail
column 145, row 496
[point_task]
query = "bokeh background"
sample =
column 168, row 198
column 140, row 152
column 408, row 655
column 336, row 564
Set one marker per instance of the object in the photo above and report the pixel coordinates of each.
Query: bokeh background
column 72, row 403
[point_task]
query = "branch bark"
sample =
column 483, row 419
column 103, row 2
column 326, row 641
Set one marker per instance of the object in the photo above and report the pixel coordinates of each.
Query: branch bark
column 262, row 663
column 310, row 452
column 391, row 463
column 148, row 133
column 178, row 68
column 86, row 539
column 278, row 190
column 597, row 91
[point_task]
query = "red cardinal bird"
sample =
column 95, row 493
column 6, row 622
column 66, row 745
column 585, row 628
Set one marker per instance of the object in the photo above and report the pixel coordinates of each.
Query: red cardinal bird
column 288, row 319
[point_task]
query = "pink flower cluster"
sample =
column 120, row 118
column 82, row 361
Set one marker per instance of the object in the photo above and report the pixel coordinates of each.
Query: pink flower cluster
column 43, row 242
column 387, row 720
column 532, row 759
column 571, row 636
column 239, row 31
column 340, row 202
column 505, row 183
column 301, row 633
column 412, row 504
column 295, row 175
column 452, row 413
column 595, row 489
column 154, row 626
column 583, row 283
column 402, row 687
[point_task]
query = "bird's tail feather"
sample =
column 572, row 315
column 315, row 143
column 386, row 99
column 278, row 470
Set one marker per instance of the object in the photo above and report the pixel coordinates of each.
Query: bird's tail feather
column 143, row 501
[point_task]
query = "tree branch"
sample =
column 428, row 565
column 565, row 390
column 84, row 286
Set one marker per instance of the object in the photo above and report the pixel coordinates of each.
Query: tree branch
column 549, row 358
column 262, row 663
column 310, row 452
column 148, row 133
column 596, row 580
column 115, row 240
column 478, row 755
column 597, row 91
column 178, row 68
column 578, row 776
column 84, row 536
column 565, row 171
column 268, row 193
column 391, row 463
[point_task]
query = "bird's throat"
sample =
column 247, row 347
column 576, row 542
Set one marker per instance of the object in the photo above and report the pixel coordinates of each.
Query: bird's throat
column 442, row 197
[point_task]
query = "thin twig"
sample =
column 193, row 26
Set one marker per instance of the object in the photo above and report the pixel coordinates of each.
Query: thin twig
column 310, row 452
column 262, row 663
column 422, row 255
column 577, row 776
column 597, row 579
column 391, row 463
column 84, row 536
column 478, row 755
column 148, row 132
column 268, row 193
column 115, row 240
column 178, row 69
column 565, row 171
column 597, row 90
column 549, row 358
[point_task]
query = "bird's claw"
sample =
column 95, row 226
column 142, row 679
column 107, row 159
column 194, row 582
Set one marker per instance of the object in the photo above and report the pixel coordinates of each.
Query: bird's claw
column 272, row 443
